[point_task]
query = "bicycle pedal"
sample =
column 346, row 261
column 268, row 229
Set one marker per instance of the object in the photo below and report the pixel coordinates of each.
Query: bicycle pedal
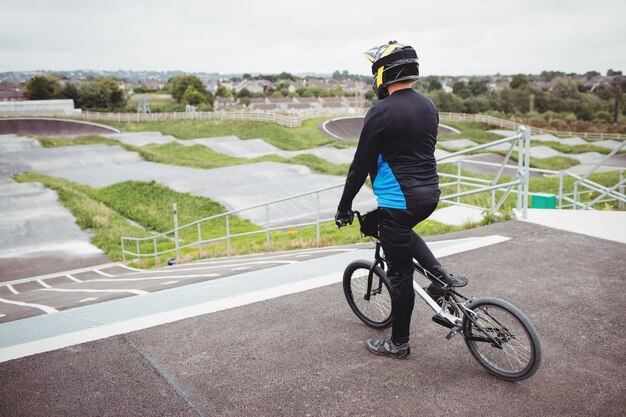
column 442, row 321
column 453, row 332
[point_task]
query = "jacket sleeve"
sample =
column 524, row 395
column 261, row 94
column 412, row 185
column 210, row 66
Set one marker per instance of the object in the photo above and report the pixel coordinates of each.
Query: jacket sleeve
column 364, row 158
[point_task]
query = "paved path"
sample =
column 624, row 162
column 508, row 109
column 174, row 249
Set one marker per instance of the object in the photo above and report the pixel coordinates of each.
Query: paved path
column 219, row 284
column 59, row 291
column 302, row 353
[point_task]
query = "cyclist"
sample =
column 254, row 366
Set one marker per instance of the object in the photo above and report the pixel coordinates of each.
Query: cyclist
column 396, row 147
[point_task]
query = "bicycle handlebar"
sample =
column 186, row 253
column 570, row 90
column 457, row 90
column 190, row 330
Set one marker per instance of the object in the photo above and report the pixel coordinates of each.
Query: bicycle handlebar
column 343, row 222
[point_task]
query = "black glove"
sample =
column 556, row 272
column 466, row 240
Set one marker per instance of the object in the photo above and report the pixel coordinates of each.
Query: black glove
column 344, row 217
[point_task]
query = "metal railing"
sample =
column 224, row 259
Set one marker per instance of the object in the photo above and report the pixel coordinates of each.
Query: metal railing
column 465, row 186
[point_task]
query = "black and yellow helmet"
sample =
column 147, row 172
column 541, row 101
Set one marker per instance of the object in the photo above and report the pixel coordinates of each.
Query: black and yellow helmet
column 391, row 63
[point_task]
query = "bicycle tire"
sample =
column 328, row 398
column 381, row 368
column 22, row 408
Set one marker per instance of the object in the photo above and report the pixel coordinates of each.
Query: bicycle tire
column 375, row 312
column 519, row 356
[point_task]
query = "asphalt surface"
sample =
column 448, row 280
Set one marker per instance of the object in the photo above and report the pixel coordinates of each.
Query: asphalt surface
column 349, row 128
column 303, row 354
column 52, row 127
column 45, row 263
column 61, row 291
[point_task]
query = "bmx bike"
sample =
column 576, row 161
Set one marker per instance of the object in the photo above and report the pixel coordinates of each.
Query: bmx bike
column 498, row 335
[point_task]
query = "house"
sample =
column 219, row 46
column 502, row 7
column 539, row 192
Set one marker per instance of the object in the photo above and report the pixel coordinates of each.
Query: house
column 10, row 92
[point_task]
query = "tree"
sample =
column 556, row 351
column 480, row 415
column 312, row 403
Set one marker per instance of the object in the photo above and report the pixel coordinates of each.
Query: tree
column 69, row 91
column 94, row 95
column 513, row 101
column 223, row 91
column 588, row 105
column 565, row 88
column 460, row 89
column 618, row 83
column 434, row 84
column 178, row 85
column 103, row 93
column 476, row 104
column 447, row 102
column 519, row 81
column 285, row 76
column 193, row 96
column 603, row 91
column 41, row 88
column 116, row 99
column 477, row 86
column 244, row 92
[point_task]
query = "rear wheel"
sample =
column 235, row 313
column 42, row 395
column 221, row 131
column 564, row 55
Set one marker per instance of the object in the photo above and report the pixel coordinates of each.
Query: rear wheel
column 502, row 339
column 368, row 293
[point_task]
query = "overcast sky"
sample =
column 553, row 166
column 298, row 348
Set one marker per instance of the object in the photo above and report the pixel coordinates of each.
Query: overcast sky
column 233, row 36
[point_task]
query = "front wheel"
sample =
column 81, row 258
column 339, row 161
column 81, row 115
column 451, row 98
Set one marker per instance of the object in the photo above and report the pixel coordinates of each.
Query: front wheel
column 502, row 339
column 367, row 292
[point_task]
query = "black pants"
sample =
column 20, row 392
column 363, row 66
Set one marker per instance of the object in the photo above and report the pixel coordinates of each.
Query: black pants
column 401, row 244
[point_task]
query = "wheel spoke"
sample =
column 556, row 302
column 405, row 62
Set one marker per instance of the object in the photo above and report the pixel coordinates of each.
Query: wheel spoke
column 378, row 307
column 515, row 353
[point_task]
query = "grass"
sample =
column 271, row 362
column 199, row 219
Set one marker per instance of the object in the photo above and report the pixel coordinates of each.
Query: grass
column 140, row 209
column 290, row 139
column 476, row 131
column 106, row 225
column 56, row 142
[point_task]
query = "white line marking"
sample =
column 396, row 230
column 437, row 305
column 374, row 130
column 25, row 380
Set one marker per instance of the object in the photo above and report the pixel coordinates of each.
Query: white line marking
column 13, row 290
column 243, row 260
column 88, row 299
column 101, row 332
column 138, row 292
column 168, row 283
column 164, row 317
column 46, row 309
column 104, row 274
column 58, row 274
column 43, row 284
column 466, row 246
column 2, row 315
column 241, row 268
column 204, row 268
column 130, row 268
column 151, row 278
column 304, row 255
column 73, row 278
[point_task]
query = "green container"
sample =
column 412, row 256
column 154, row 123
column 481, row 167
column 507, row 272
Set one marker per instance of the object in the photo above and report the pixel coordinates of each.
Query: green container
column 543, row 201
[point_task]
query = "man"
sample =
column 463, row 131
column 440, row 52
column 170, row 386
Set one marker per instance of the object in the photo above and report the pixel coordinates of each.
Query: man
column 397, row 149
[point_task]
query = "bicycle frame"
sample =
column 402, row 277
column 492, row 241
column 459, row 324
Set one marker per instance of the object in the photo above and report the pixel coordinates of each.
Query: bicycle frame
column 441, row 311
column 450, row 296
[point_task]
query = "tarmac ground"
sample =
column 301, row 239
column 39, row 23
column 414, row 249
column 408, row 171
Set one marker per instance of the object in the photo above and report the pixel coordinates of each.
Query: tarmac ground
column 303, row 354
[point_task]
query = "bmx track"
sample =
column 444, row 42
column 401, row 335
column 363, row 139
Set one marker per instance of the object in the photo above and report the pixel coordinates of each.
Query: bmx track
column 52, row 127
column 349, row 128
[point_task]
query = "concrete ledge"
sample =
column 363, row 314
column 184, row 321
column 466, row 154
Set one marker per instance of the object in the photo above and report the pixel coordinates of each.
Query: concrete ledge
column 609, row 225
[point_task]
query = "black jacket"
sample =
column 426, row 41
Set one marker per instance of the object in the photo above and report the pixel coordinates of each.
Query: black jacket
column 397, row 149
